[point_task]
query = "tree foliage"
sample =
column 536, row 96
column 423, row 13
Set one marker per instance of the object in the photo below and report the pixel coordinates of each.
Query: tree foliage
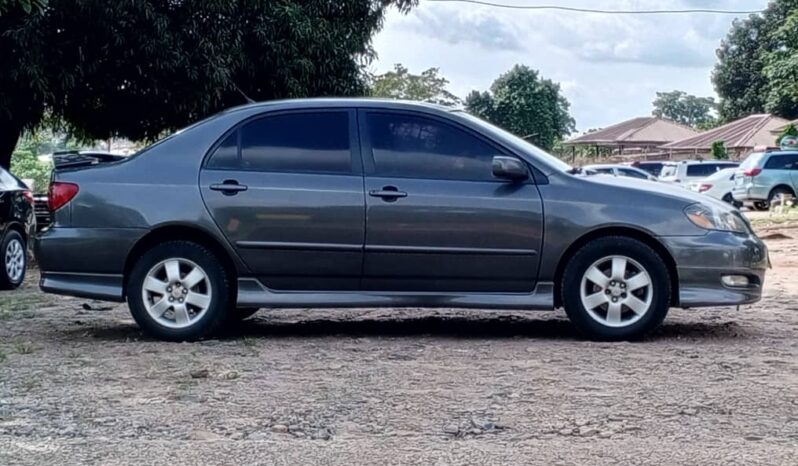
column 789, row 130
column 521, row 102
column 428, row 86
column 684, row 108
column 758, row 64
column 719, row 151
column 140, row 67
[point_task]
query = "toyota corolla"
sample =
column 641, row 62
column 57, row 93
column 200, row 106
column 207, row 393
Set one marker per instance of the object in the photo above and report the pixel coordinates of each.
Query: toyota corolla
column 374, row 203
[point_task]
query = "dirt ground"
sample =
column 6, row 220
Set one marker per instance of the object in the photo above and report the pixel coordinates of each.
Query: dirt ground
column 80, row 385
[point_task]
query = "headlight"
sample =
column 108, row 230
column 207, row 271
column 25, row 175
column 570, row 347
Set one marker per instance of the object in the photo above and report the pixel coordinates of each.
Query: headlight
column 713, row 218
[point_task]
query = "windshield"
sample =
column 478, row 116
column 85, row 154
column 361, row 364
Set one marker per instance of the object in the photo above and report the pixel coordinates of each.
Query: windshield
column 535, row 150
column 752, row 160
column 668, row 171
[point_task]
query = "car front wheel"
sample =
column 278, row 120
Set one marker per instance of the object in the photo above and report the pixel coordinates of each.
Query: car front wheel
column 616, row 288
column 179, row 291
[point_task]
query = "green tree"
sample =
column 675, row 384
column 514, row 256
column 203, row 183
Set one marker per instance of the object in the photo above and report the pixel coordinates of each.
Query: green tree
column 684, row 108
column 523, row 103
column 137, row 68
column 428, row 86
column 789, row 130
column 755, row 62
column 719, row 151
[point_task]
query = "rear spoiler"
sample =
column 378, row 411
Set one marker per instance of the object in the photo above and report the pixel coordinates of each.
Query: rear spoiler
column 72, row 159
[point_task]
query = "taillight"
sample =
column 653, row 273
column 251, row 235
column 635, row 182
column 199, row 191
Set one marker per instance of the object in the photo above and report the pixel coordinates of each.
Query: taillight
column 28, row 197
column 752, row 172
column 704, row 187
column 60, row 194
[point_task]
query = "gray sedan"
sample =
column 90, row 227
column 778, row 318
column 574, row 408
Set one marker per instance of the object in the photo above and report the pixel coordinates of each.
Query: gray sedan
column 364, row 203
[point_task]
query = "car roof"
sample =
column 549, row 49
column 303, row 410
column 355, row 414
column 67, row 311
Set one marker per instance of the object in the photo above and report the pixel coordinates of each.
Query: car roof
column 342, row 102
column 697, row 162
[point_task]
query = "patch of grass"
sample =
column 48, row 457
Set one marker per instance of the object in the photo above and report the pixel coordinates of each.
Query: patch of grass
column 25, row 347
column 249, row 342
column 3, row 356
column 20, row 305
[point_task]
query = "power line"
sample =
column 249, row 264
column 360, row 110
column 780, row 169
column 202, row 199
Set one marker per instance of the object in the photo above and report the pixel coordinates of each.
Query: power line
column 604, row 12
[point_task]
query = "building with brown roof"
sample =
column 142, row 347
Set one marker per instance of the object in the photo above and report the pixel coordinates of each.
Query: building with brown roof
column 642, row 134
column 740, row 137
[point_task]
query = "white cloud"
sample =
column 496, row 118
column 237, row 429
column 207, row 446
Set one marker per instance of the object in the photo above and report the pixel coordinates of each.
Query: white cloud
column 610, row 66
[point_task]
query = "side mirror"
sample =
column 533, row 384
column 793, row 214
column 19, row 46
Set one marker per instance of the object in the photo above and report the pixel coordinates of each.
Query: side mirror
column 509, row 168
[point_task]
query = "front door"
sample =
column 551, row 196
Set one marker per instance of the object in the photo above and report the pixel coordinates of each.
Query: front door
column 437, row 219
column 287, row 191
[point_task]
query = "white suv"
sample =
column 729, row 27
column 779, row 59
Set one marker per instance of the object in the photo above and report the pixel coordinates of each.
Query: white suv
column 687, row 171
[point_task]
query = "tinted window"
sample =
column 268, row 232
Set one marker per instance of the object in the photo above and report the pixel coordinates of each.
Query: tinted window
column 632, row 173
column 226, row 155
column 652, row 167
column 603, row 170
column 701, row 169
column 418, row 147
column 299, row 142
column 782, row 162
column 7, row 181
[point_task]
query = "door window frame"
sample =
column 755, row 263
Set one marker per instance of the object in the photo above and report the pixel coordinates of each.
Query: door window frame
column 356, row 164
column 367, row 154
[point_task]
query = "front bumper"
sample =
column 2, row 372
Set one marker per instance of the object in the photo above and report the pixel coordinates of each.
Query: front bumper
column 701, row 262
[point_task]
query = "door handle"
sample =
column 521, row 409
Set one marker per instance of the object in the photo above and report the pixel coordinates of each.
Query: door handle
column 229, row 187
column 388, row 193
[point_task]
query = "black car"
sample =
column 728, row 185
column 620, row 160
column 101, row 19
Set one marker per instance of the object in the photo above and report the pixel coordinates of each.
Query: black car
column 17, row 224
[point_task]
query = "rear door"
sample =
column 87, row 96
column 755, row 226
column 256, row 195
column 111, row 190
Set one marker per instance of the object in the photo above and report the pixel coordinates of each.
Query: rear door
column 437, row 219
column 287, row 191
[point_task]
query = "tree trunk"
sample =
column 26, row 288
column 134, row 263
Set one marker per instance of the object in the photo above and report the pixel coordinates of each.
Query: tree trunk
column 9, row 135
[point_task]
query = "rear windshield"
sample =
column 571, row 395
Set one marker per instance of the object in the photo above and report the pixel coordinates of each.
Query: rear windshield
column 752, row 160
column 668, row 170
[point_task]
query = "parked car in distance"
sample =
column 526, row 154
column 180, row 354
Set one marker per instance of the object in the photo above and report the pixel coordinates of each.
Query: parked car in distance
column 621, row 170
column 383, row 203
column 687, row 171
column 652, row 167
column 764, row 176
column 17, row 225
column 719, row 185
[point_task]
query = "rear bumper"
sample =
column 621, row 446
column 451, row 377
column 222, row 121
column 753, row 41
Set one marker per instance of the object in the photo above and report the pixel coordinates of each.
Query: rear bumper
column 84, row 262
column 702, row 261
column 93, row 286
column 750, row 193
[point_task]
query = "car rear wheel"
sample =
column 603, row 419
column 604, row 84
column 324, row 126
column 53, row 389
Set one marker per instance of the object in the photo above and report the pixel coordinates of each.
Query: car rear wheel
column 179, row 291
column 616, row 288
column 15, row 261
column 777, row 193
column 730, row 200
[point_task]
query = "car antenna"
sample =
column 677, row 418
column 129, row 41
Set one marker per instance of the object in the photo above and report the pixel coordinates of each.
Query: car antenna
column 246, row 97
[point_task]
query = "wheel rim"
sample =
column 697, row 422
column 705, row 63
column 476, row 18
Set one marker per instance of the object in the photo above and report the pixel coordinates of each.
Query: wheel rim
column 15, row 260
column 177, row 293
column 616, row 291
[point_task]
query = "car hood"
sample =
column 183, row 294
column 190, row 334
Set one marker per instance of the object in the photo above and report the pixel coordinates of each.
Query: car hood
column 647, row 188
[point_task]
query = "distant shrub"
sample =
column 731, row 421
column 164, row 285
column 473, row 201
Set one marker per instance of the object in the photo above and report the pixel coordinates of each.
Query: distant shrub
column 719, row 151
column 25, row 165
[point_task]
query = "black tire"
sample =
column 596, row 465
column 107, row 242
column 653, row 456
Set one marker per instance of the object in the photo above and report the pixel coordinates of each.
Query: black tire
column 730, row 200
column 221, row 298
column 778, row 192
column 7, row 281
column 761, row 205
column 597, row 250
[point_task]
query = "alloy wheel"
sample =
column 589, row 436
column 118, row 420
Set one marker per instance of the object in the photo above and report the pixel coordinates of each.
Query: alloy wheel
column 15, row 260
column 616, row 291
column 177, row 293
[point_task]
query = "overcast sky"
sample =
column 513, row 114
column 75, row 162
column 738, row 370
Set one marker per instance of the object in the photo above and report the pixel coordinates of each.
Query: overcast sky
column 609, row 66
